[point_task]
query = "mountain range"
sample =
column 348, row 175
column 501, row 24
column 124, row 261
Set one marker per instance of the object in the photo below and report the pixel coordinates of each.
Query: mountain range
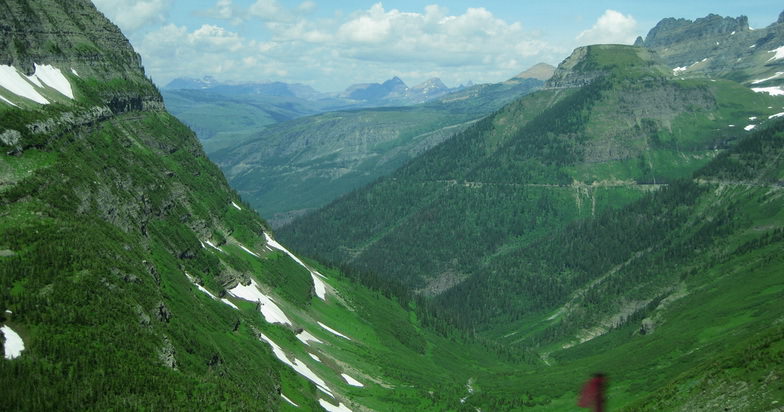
column 624, row 217
column 295, row 166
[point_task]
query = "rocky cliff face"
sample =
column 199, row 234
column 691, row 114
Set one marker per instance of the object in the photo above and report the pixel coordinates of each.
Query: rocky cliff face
column 718, row 46
column 567, row 74
column 75, row 34
column 670, row 30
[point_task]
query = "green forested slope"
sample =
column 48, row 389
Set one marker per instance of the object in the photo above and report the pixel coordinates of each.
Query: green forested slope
column 300, row 165
column 557, row 155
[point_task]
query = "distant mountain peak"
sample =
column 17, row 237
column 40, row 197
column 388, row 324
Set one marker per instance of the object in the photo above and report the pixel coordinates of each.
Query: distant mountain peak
column 539, row 71
column 431, row 84
column 394, row 83
column 192, row 83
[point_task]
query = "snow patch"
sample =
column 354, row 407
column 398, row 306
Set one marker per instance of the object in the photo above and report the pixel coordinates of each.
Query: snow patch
column 773, row 116
column 75, row 73
column 8, row 101
column 332, row 408
column 753, row 118
column 14, row 345
column 272, row 313
column 315, row 358
column 203, row 289
column 306, row 337
column 779, row 53
column 236, row 205
column 249, row 251
column 273, row 243
column 202, row 245
column 773, row 91
column 54, row 78
column 11, row 79
column 731, row 125
column 333, row 331
column 297, row 365
column 321, row 288
column 212, row 245
column 749, row 127
column 775, row 76
column 351, row 381
column 678, row 70
column 288, row 400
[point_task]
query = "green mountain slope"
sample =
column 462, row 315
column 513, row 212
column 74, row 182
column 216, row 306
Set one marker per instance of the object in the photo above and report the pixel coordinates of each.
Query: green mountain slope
column 303, row 164
column 220, row 121
column 676, row 295
column 560, row 154
column 136, row 279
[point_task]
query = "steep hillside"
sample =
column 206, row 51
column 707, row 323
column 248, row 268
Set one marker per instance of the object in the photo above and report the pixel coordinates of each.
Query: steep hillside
column 132, row 277
column 611, row 125
column 677, row 295
column 300, row 165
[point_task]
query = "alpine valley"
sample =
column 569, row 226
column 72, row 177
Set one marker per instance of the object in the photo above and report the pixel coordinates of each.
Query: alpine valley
column 625, row 216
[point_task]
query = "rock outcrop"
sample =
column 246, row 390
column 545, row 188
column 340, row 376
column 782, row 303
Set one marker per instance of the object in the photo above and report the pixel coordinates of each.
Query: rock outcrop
column 670, row 30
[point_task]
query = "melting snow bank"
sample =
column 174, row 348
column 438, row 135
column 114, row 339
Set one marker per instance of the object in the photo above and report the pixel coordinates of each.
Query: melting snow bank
column 288, row 400
column 20, row 85
column 332, row 408
column 333, row 331
column 351, row 381
column 306, row 337
column 773, row 116
column 779, row 53
column 13, row 81
column 749, row 127
column 236, row 205
column 775, row 76
column 321, row 288
column 14, row 345
column 272, row 313
column 297, row 365
column 54, row 78
column 203, row 289
column 8, row 101
column 315, row 358
column 249, row 251
column 773, row 91
column 212, row 245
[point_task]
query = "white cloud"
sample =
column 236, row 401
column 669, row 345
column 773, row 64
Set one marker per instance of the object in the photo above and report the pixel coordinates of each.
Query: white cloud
column 133, row 14
column 368, row 45
column 611, row 27
column 269, row 10
column 433, row 37
column 307, row 6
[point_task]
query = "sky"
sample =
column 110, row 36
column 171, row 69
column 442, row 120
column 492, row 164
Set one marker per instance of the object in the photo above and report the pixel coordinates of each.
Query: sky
column 330, row 45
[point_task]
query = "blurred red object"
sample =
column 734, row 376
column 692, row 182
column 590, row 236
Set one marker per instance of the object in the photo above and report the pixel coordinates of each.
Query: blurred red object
column 593, row 393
